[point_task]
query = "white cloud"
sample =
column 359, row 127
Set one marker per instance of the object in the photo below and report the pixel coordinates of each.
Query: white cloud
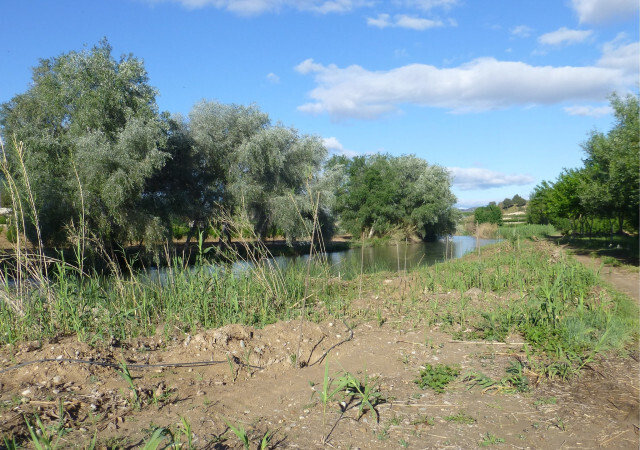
column 427, row 5
column 273, row 78
column 403, row 21
column 620, row 56
column 521, row 31
column 588, row 110
column 255, row 7
column 335, row 146
column 470, row 178
column 564, row 36
column 602, row 11
column 479, row 85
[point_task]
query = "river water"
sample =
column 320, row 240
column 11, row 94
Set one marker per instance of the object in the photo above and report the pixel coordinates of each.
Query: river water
column 390, row 257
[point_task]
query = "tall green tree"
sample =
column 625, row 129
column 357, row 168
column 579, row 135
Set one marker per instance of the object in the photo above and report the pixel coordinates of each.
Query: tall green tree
column 380, row 193
column 275, row 179
column 612, row 164
column 92, row 137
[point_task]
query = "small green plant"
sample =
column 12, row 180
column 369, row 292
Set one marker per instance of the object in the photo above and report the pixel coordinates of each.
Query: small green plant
column 515, row 377
column 462, row 418
column 133, row 391
column 240, row 433
column 424, row 420
column 437, row 377
column 40, row 438
column 159, row 435
column 366, row 391
column 9, row 444
column 12, row 234
column 266, row 440
column 185, row 429
column 490, row 439
column 403, row 443
column 546, row 401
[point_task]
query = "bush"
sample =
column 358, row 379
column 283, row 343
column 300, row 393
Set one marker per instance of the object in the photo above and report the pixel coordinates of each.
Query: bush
column 488, row 214
column 3, row 220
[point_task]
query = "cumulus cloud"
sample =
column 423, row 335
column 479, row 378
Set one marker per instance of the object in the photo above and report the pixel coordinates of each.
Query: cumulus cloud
column 479, row 85
column 588, row 110
column 427, row 5
column 335, row 146
column 470, row 178
column 623, row 57
column 564, row 36
column 602, row 11
column 403, row 21
column 254, row 7
column 521, row 31
column 273, row 78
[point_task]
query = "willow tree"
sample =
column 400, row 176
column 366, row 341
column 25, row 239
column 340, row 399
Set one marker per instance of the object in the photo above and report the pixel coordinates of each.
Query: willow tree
column 92, row 138
column 275, row 182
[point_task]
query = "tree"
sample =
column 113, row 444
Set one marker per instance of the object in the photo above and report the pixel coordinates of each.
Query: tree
column 612, row 163
column 193, row 187
column 518, row 201
column 92, row 136
column 507, row 203
column 488, row 214
column 538, row 209
column 380, row 193
column 275, row 181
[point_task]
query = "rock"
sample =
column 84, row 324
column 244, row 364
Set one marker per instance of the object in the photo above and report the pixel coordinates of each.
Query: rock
column 473, row 292
column 26, row 392
column 56, row 380
column 159, row 392
column 220, row 337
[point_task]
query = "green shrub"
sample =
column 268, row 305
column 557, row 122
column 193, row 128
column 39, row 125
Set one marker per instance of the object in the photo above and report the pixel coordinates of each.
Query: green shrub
column 488, row 214
column 437, row 377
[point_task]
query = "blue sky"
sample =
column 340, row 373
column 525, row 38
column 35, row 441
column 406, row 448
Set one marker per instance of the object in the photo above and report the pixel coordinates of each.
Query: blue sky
column 502, row 92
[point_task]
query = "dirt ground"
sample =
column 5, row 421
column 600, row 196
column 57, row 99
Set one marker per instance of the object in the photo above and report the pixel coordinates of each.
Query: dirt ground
column 250, row 381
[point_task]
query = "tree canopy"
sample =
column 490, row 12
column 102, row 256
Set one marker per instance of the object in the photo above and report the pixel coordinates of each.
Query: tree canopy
column 92, row 135
column 380, row 193
column 604, row 192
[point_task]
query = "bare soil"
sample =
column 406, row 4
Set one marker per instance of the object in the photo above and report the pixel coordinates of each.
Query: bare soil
column 251, row 381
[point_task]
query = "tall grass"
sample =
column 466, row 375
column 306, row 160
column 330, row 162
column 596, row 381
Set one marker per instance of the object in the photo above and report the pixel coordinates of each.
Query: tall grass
column 43, row 297
column 559, row 305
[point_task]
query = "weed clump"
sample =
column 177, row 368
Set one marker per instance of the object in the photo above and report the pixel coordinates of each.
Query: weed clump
column 437, row 377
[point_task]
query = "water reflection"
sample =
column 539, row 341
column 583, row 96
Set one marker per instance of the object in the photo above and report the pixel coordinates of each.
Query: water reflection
column 396, row 257
column 403, row 256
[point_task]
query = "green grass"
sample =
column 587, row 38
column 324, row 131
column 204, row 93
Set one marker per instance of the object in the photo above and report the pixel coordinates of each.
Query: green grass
column 559, row 306
column 461, row 418
column 437, row 377
column 204, row 296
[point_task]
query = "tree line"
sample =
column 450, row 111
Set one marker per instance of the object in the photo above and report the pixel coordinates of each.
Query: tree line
column 603, row 195
column 87, row 145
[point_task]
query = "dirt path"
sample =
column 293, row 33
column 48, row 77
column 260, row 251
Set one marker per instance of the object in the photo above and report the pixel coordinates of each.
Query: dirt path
column 622, row 279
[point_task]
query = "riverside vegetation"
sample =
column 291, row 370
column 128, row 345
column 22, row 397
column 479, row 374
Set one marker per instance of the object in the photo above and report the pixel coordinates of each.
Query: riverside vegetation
column 563, row 314
column 101, row 169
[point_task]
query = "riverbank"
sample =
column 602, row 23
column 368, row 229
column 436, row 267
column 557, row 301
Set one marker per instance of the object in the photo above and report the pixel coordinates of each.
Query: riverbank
column 515, row 323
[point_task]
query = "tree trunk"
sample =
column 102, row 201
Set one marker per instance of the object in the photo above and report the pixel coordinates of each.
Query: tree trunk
column 620, row 222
